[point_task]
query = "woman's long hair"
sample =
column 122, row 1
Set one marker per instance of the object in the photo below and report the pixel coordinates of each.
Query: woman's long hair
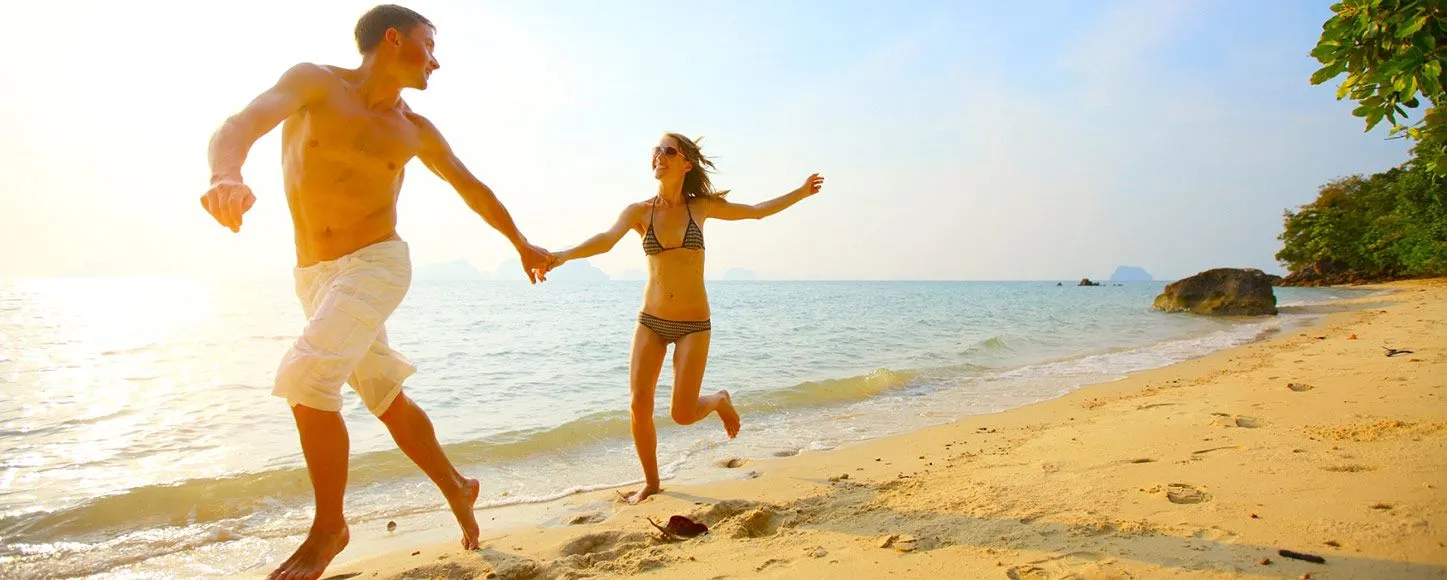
column 696, row 182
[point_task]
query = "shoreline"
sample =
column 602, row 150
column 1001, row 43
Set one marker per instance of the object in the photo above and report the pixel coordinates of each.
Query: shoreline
column 844, row 502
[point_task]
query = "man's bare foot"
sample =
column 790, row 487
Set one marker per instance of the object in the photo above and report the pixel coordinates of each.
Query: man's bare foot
column 730, row 417
column 312, row 558
column 642, row 494
column 462, row 510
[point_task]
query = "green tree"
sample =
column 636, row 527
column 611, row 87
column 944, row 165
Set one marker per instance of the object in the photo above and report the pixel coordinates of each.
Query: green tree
column 1394, row 53
column 1385, row 226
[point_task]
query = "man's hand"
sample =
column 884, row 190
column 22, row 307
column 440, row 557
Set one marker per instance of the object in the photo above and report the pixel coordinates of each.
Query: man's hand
column 536, row 262
column 227, row 201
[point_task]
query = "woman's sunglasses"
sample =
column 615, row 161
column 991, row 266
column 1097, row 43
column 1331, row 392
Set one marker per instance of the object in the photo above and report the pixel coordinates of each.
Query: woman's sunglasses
column 665, row 151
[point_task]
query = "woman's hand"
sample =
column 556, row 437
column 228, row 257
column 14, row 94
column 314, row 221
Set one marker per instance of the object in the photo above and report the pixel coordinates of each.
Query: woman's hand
column 812, row 185
column 555, row 260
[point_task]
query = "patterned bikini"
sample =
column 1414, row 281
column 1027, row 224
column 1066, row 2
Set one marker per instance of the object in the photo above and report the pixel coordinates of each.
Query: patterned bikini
column 672, row 330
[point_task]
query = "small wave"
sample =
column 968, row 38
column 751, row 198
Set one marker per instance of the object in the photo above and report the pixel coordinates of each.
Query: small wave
column 995, row 345
column 827, row 392
column 32, row 430
column 80, row 557
column 201, row 501
column 1120, row 362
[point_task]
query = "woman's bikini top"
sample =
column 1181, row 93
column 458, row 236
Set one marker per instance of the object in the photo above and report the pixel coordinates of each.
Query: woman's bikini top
column 692, row 234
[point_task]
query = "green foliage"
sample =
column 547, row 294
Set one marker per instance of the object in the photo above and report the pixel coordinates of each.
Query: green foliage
column 1389, row 225
column 1394, row 53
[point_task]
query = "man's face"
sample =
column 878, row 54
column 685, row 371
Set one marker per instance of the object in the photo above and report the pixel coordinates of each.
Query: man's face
column 415, row 61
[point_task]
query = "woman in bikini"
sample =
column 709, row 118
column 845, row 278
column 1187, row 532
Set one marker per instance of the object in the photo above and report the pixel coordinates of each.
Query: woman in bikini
column 675, row 305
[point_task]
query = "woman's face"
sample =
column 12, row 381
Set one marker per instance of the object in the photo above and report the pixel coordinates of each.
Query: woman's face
column 669, row 163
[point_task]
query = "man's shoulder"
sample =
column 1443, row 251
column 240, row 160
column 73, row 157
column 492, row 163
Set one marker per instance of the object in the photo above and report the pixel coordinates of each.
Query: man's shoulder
column 311, row 70
column 313, row 76
column 418, row 119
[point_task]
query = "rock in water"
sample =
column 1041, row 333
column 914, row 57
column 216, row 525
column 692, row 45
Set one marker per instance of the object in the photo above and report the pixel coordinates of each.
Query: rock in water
column 1221, row 291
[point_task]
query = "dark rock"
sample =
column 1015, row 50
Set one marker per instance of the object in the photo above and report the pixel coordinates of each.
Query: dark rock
column 1220, row 291
column 1087, row 282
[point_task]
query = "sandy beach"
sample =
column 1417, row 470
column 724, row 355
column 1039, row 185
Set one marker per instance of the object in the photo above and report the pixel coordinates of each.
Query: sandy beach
column 1312, row 441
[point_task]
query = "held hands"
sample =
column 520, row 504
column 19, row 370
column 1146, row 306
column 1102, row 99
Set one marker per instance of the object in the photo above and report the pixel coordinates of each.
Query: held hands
column 535, row 262
column 812, row 185
column 555, row 260
column 227, row 201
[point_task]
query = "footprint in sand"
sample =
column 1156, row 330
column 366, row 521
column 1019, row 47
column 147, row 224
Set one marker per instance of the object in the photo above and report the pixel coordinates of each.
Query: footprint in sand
column 1184, row 494
column 1299, row 387
column 1229, row 420
column 1026, row 573
column 757, row 523
column 1348, row 468
column 592, row 518
column 601, row 542
column 732, row 463
column 772, row 562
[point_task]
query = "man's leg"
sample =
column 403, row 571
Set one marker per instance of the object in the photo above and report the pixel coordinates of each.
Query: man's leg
column 413, row 432
column 324, row 444
column 378, row 380
column 345, row 302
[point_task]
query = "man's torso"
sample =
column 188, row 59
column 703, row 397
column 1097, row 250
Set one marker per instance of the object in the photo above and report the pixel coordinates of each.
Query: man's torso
column 342, row 167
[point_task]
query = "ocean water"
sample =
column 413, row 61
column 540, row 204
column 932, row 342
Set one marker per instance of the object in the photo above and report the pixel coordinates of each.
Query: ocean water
column 136, row 420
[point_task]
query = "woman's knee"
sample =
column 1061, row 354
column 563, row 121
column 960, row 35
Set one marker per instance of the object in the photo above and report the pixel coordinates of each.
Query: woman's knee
column 641, row 409
column 684, row 416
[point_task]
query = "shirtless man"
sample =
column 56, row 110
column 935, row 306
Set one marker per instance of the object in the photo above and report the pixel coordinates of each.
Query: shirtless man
column 346, row 139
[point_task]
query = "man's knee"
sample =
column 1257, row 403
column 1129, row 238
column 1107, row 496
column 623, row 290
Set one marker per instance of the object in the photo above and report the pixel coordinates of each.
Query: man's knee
column 397, row 411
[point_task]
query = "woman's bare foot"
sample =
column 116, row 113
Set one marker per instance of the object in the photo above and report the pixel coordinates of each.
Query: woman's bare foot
column 731, row 420
column 462, row 509
column 312, row 558
column 642, row 494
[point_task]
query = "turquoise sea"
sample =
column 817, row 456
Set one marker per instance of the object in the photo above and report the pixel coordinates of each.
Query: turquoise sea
column 137, row 426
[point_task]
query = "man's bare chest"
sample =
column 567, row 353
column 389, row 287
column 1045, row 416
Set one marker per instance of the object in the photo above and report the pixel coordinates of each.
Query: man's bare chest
column 345, row 131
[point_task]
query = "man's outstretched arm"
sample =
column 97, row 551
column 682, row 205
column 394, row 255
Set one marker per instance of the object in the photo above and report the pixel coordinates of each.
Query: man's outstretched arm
column 233, row 140
column 228, row 198
column 437, row 155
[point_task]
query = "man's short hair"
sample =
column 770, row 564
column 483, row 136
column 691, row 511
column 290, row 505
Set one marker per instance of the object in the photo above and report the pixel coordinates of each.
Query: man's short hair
column 373, row 25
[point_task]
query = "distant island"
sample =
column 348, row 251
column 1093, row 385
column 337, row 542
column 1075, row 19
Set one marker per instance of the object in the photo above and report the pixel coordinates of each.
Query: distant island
column 511, row 270
column 453, row 270
column 1130, row 274
column 739, row 274
column 578, row 271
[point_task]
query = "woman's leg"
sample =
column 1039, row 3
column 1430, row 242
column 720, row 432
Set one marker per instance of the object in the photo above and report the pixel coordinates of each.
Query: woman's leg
column 690, row 357
column 643, row 369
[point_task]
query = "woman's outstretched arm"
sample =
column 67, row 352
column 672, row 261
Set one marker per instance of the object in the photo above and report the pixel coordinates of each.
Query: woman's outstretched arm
column 722, row 209
column 603, row 242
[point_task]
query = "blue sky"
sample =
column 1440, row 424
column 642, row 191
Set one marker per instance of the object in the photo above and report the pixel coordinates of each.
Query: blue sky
column 960, row 140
